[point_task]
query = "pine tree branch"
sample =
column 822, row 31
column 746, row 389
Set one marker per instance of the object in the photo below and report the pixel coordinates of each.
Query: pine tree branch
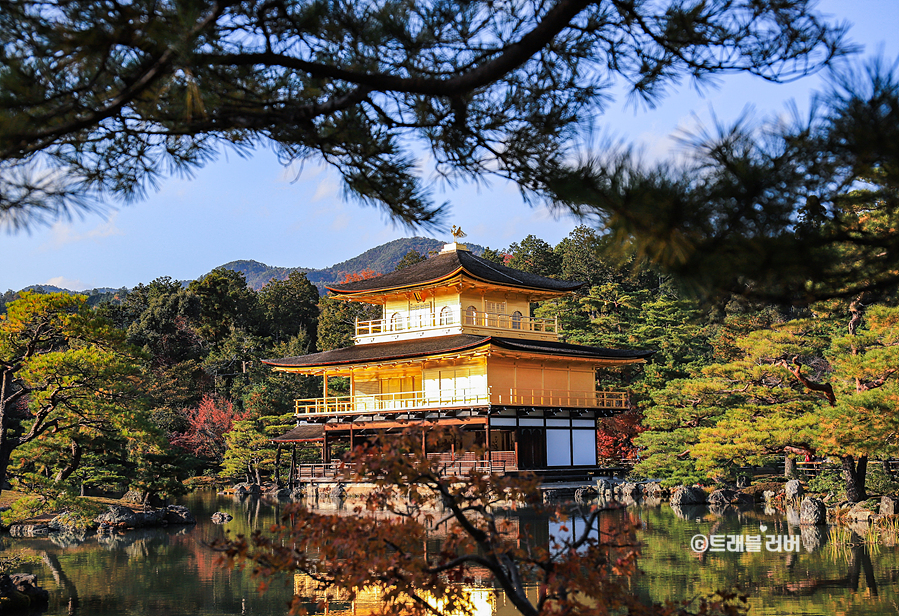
column 824, row 389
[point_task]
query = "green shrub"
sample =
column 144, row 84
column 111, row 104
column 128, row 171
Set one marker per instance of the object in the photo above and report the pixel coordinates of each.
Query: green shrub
column 876, row 481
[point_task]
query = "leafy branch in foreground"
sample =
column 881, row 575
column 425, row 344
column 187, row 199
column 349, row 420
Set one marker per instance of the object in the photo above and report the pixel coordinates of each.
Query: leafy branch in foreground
column 784, row 212
column 101, row 98
column 387, row 543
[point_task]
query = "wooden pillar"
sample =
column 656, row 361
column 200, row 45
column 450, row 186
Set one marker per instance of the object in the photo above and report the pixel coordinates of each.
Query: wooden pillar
column 424, row 448
column 325, row 392
column 487, row 440
column 352, row 440
column 278, row 466
column 326, row 450
column 292, row 480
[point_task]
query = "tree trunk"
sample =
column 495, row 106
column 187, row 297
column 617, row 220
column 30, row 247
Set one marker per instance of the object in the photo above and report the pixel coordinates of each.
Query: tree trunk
column 789, row 467
column 6, row 449
column 854, row 475
column 258, row 475
column 66, row 472
column 6, row 406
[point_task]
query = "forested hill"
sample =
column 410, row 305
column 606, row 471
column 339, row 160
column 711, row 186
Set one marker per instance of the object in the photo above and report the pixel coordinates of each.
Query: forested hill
column 380, row 259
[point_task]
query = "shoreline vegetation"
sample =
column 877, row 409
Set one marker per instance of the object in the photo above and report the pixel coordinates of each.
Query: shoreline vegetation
column 165, row 389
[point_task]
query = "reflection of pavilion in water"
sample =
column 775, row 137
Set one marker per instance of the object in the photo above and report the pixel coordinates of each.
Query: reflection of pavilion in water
column 486, row 599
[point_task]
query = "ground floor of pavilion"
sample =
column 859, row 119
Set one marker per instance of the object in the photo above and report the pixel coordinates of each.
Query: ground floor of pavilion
column 558, row 442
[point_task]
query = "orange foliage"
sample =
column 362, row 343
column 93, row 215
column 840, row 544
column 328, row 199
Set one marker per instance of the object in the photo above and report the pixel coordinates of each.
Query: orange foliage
column 615, row 436
column 356, row 276
column 209, row 422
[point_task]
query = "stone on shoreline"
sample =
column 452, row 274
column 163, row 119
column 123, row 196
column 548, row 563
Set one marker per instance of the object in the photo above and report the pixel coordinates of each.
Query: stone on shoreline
column 19, row 592
column 889, row 505
column 119, row 517
column 688, row 496
column 812, row 512
column 726, row 496
column 655, row 489
column 630, row 490
column 179, row 514
column 794, row 489
column 242, row 489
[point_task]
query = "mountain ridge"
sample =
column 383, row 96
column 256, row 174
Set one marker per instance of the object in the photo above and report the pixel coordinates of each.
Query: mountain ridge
column 380, row 259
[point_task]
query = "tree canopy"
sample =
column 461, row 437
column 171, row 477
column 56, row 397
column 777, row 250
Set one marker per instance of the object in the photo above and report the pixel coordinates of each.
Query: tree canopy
column 787, row 211
column 70, row 383
column 101, row 99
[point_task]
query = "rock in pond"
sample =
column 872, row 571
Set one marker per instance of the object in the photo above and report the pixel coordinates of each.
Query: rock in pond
column 123, row 517
column 726, row 496
column 179, row 514
column 19, row 592
column 688, row 496
column 630, row 490
column 812, row 512
column 655, row 489
column 220, row 517
column 889, row 505
column 794, row 489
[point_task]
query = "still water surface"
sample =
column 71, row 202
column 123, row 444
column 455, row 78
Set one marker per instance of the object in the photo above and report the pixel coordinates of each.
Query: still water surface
column 172, row 572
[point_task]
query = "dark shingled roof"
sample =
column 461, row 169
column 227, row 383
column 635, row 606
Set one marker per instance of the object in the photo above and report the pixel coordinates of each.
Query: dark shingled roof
column 303, row 432
column 448, row 264
column 407, row 349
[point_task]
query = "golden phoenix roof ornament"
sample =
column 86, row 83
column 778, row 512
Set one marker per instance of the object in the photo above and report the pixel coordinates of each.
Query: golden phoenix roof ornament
column 458, row 233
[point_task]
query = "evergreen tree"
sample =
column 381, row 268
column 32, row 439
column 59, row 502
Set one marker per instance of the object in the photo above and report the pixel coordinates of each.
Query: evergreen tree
column 410, row 258
column 798, row 387
column 70, row 381
column 100, row 100
column 535, row 256
column 786, row 212
column 290, row 306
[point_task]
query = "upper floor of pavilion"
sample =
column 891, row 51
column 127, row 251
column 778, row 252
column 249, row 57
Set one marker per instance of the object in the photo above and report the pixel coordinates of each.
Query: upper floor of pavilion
column 454, row 292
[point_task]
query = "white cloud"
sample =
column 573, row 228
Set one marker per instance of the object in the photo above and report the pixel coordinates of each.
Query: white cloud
column 67, row 283
column 327, row 188
column 65, row 233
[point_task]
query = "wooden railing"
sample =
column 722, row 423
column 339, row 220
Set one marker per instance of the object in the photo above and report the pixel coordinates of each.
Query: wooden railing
column 447, row 465
column 564, row 398
column 462, row 397
column 401, row 322
column 393, row 402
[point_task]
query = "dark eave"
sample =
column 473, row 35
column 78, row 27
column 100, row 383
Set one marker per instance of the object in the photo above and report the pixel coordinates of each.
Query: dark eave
column 568, row 350
column 401, row 349
column 410, row 349
column 446, row 265
column 302, row 434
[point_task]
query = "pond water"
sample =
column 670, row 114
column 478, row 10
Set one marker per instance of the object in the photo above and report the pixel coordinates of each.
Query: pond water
column 172, row 571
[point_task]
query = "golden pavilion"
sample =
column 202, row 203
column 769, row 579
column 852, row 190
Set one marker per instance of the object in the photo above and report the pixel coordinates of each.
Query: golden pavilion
column 456, row 346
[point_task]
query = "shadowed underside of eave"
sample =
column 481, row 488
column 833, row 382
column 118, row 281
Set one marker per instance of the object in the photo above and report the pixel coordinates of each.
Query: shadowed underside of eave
column 461, row 343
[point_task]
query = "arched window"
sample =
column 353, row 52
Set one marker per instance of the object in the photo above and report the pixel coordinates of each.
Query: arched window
column 516, row 320
column 471, row 315
column 446, row 316
column 396, row 322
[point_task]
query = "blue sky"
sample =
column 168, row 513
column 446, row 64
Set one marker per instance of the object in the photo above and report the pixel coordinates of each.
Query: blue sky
column 254, row 208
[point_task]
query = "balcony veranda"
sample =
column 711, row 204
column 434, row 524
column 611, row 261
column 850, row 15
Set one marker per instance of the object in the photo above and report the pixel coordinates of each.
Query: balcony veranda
column 423, row 400
column 455, row 319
